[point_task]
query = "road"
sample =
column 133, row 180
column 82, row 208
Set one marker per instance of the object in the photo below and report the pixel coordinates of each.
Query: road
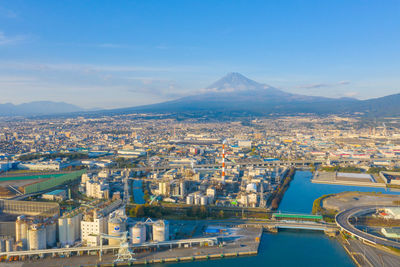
column 342, row 220
column 370, row 256
column 255, row 163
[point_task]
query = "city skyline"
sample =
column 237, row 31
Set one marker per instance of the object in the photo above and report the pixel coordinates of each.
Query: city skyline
column 146, row 52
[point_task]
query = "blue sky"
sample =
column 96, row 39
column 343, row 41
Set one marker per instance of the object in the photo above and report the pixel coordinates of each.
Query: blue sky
column 125, row 53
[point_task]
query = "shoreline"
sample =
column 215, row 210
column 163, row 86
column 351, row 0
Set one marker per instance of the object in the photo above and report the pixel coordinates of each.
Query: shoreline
column 179, row 259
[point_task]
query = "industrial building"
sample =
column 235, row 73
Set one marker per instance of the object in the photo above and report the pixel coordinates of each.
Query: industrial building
column 95, row 221
column 55, row 195
column 33, row 208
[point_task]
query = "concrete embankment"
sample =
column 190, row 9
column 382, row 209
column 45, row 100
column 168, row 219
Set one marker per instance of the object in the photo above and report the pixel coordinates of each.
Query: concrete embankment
column 178, row 259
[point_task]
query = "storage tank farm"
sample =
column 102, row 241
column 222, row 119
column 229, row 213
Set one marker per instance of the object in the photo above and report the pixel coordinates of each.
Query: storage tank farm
column 138, row 233
column 69, row 228
column 161, row 231
column 6, row 244
column 116, row 226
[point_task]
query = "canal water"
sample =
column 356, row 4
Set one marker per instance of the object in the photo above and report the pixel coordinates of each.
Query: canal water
column 137, row 192
column 294, row 248
column 301, row 193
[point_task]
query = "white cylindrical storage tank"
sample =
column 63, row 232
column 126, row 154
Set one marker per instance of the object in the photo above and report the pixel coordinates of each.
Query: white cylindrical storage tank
column 37, row 237
column 2, row 245
column 197, row 200
column 21, row 231
column 77, row 223
column 160, row 231
column 189, row 200
column 51, row 235
column 115, row 227
column 9, row 244
column 62, row 231
column 203, row 200
column 138, row 233
column 70, row 231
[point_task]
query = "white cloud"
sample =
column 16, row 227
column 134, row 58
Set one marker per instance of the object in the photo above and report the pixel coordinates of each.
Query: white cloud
column 321, row 85
column 10, row 40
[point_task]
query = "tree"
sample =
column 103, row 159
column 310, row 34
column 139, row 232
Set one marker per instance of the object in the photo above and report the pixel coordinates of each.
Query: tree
column 139, row 211
column 203, row 212
column 221, row 214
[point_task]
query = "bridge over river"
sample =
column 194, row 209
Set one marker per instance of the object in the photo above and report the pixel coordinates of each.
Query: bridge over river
column 291, row 221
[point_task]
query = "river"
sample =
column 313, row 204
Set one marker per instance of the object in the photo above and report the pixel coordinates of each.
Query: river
column 294, row 248
column 137, row 192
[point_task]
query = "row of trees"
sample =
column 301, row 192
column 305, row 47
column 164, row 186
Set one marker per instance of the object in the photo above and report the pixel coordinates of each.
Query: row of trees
column 277, row 195
column 159, row 211
column 146, row 210
column 352, row 169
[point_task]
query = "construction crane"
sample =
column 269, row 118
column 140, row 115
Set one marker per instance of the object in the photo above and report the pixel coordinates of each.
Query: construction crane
column 124, row 252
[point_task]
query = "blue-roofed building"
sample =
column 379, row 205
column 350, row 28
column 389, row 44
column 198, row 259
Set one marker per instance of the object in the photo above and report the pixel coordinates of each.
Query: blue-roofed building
column 55, row 195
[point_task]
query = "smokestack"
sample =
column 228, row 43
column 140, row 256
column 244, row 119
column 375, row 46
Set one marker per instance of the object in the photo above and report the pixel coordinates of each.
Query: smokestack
column 223, row 161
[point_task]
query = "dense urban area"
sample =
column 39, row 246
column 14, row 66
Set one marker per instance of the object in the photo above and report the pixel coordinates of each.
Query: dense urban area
column 145, row 188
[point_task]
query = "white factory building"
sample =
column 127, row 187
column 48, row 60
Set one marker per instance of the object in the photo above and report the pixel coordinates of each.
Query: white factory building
column 91, row 229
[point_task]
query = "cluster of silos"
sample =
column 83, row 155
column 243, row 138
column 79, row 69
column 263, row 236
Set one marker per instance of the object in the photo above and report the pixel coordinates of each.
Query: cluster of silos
column 31, row 233
column 197, row 199
column 160, row 231
column 69, row 228
column 6, row 244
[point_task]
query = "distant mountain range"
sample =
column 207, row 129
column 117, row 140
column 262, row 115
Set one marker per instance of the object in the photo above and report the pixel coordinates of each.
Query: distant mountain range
column 232, row 95
column 235, row 94
column 37, row 108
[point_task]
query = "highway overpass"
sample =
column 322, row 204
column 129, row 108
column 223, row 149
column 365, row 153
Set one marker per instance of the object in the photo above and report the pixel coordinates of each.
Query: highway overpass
column 253, row 163
column 343, row 221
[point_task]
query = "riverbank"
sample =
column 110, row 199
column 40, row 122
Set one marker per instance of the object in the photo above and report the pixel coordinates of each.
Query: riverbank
column 233, row 242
